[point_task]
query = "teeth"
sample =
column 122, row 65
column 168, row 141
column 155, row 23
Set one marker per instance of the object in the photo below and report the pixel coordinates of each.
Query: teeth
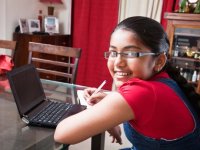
column 122, row 73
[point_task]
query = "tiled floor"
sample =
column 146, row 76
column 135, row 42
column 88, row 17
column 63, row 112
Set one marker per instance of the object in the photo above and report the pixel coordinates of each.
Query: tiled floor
column 85, row 145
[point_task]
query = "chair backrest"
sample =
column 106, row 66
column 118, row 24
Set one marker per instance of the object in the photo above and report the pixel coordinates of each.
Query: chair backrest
column 8, row 45
column 58, row 61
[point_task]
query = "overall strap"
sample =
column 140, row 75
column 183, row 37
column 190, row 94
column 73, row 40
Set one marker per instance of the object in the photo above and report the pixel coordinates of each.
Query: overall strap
column 173, row 85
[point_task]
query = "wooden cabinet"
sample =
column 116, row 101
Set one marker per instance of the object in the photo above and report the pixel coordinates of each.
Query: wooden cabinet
column 184, row 35
column 21, row 53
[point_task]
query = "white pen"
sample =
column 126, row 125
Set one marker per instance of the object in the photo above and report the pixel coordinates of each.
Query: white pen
column 99, row 88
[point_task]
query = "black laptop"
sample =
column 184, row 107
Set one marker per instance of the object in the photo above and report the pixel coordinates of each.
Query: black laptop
column 33, row 106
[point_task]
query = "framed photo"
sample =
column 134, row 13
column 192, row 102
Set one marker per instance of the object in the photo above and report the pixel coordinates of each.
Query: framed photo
column 51, row 25
column 23, row 24
column 34, row 25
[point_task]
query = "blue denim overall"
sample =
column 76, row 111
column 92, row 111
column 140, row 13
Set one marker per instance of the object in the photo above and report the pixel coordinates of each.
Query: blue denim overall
column 188, row 142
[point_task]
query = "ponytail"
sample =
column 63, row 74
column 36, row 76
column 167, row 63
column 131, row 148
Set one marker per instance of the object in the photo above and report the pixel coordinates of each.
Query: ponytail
column 187, row 88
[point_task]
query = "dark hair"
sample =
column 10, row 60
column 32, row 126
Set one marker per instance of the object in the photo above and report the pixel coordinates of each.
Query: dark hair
column 152, row 35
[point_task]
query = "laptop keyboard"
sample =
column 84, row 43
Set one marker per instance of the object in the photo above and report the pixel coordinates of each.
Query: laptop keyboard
column 52, row 113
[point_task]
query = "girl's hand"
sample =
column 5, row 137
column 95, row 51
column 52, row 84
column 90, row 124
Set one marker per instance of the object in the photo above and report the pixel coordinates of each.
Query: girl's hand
column 92, row 100
column 116, row 134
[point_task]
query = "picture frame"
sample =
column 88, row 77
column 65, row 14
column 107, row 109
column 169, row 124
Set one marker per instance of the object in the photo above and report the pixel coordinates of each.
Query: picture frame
column 51, row 25
column 34, row 25
column 23, row 24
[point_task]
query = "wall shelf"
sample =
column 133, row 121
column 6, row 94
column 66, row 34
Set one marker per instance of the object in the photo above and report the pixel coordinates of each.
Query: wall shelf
column 183, row 30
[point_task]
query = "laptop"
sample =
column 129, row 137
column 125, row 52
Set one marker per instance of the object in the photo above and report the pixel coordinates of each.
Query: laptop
column 34, row 107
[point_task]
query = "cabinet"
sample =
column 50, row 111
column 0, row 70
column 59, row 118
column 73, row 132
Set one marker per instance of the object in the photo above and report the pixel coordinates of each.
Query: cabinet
column 184, row 35
column 21, row 52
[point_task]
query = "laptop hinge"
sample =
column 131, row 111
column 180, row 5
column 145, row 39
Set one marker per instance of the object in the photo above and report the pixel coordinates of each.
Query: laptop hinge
column 31, row 109
column 25, row 120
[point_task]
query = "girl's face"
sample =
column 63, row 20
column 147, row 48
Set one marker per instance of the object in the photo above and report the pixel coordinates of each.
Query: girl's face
column 121, row 68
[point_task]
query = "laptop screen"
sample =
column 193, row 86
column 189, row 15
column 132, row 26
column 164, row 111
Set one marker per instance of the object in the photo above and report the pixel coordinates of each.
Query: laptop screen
column 26, row 87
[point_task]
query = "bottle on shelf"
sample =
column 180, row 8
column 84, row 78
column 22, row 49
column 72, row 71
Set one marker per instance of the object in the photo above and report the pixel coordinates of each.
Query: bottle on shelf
column 183, row 6
column 197, row 8
column 181, row 71
column 176, row 51
column 194, row 76
column 185, row 73
column 195, row 56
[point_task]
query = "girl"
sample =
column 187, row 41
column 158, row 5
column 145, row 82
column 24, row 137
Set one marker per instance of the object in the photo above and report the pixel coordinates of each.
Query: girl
column 157, row 106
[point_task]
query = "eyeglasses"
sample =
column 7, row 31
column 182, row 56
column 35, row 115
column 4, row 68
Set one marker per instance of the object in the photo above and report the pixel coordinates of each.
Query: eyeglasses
column 114, row 54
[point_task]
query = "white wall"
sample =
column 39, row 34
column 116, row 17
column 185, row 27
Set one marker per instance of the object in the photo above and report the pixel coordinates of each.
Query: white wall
column 64, row 15
column 2, row 19
column 12, row 10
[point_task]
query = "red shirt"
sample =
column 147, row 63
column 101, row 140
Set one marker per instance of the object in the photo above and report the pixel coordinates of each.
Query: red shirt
column 159, row 112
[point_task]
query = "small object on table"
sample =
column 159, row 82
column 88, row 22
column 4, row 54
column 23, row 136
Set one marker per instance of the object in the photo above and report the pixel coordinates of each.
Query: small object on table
column 6, row 64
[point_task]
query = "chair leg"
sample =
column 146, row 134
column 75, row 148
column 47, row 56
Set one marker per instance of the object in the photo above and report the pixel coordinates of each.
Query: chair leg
column 65, row 147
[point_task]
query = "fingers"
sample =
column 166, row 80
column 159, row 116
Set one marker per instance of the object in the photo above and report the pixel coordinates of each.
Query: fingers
column 119, row 141
column 88, row 92
column 87, row 95
column 91, row 101
column 116, row 140
column 93, row 98
column 113, row 139
column 115, row 132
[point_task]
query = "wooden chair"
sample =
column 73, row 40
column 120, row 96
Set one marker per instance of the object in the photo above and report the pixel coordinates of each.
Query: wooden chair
column 9, row 46
column 59, row 61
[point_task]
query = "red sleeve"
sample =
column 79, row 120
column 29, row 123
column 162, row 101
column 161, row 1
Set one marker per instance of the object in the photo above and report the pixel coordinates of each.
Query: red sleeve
column 141, row 98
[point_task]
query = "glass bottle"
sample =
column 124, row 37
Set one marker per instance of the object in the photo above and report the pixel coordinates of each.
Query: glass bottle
column 185, row 74
column 181, row 71
column 40, row 18
column 176, row 46
column 176, row 51
column 194, row 76
column 197, row 8
column 182, row 6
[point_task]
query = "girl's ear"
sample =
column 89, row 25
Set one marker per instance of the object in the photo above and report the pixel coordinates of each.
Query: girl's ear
column 160, row 62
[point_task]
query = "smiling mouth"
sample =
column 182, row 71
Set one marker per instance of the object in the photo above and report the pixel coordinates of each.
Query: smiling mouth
column 122, row 75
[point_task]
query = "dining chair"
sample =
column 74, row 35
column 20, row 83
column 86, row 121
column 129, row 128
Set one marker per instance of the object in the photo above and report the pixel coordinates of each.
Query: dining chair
column 8, row 46
column 59, row 61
